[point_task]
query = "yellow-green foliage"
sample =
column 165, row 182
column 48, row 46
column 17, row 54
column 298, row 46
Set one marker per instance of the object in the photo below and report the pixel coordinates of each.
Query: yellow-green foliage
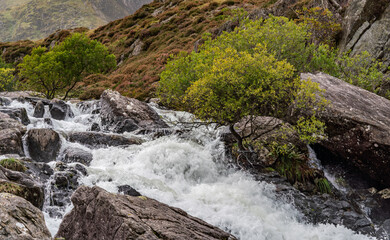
column 323, row 26
column 7, row 82
column 60, row 69
column 250, row 71
column 13, row 164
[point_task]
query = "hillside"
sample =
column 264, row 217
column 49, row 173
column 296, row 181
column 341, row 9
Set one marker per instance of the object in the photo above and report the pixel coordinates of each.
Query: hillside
column 36, row 19
column 144, row 41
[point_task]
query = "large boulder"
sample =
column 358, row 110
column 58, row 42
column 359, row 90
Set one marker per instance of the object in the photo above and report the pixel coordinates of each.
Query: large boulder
column 357, row 125
column 11, row 133
column 60, row 110
column 101, row 140
column 19, row 114
column 39, row 110
column 43, row 144
column 366, row 28
column 121, row 114
column 21, row 220
column 72, row 155
column 113, row 216
column 22, row 185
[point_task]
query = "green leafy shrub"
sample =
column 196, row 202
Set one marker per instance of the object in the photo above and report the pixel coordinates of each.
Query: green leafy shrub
column 323, row 26
column 60, row 69
column 8, row 82
column 13, row 164
column 250, row 71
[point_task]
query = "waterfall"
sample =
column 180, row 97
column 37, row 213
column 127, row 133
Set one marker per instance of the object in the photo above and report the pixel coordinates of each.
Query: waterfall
column 190, row 171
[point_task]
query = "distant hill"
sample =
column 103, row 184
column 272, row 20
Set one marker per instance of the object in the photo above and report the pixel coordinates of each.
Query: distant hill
column 36, row 19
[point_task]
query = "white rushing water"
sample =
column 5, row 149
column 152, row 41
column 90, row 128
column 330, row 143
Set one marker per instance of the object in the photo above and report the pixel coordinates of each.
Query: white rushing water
column 190, row 172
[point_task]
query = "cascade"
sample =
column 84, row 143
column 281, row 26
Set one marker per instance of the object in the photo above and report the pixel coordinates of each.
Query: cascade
column 187, row 169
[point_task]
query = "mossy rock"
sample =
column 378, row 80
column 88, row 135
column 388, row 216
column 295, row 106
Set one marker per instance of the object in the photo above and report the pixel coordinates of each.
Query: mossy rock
column 13, row 164
column 12, row 188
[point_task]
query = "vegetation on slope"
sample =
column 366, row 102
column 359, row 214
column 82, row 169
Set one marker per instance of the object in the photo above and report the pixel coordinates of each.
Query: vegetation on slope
column 35, row 19
column 143, row 42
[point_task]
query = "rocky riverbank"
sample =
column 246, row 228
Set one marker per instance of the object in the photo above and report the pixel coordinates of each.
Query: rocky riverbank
column 118, row 142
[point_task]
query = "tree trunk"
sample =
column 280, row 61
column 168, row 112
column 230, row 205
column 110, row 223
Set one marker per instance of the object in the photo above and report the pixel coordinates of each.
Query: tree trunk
column 237, row 137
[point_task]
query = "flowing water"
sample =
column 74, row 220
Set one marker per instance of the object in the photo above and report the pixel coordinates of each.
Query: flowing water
column 191, row 172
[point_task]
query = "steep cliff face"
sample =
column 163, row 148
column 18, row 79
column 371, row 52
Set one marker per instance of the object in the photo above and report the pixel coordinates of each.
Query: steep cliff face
column 35, row 19
column 366, row 28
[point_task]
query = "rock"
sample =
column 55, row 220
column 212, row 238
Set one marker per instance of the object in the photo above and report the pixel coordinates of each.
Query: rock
column 39, row 170
column 95, row 127
column 18, row 94
column 43, row 144
column 21, row 220
column 22, row 185
column 19, row 114
column 357, row 125
column 39, row 110
column 64, row 182
column 48, row 121
column 4, row 101
column 11, row 133
column 60, row 110
column 128, row 190
column 384, row 230
column 72, row 155
column 112, row 216
column 101, row 140
column 89, row 106
column 320, row 209
column 365, row 28
column 121, row 114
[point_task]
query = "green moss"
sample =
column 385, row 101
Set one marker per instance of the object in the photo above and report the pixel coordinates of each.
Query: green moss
column 13, row 164
column 11, row 188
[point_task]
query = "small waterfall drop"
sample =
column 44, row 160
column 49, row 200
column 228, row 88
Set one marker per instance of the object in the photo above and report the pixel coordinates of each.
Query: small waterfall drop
column 189, row 170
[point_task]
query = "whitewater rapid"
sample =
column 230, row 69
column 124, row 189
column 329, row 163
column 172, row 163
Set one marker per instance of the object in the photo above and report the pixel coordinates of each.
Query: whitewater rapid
column 191, row 172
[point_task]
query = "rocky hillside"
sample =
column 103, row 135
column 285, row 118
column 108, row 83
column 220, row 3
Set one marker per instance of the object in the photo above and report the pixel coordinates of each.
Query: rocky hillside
column 144, row 41
column 35, row 19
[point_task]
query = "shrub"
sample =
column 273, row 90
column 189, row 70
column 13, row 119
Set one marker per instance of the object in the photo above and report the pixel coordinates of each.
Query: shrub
column 8, row 81
column 250, row 71
column 60, row 69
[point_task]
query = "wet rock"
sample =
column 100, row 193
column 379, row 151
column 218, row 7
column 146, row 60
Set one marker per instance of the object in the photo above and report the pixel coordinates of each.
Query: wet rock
column 95, row 127
column 11, row 133
column 121, row 114
column 357, row 125
column 39, row 110
column 336, row 208
column 384, row 230
column 20, row 219
column 112, row 216
column 4, row 101
column 127, row 190
column 101, row 140
column 59, row 110
column 89, row 106
column 22, row 185
column 72, row 155
column 65, row 182
column 39, row 170
column 19, row 114
column 48, row 121
column 43, row 144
